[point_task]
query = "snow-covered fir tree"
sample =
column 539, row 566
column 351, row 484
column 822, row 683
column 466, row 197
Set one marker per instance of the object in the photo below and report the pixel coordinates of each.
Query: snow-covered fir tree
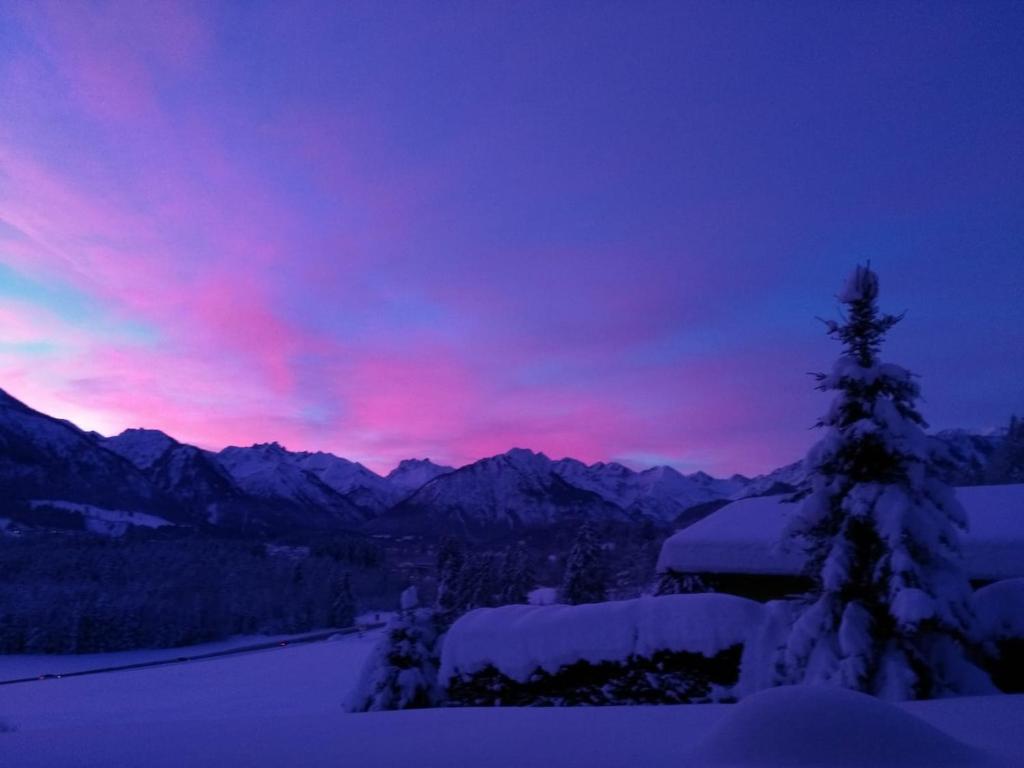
column 1007, row 462
column 343, row 607
column 480, row 579
column 585, row 579
column 890, row 612
column 517, row 577
column 480, row 583
column 401, row 673
column 451, row 557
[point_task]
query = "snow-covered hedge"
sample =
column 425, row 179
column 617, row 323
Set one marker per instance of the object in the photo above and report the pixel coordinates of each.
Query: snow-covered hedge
column 653, row 649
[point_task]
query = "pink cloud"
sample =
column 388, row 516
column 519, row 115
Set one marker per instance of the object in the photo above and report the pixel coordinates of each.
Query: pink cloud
column 180, row 232
column 106, row 52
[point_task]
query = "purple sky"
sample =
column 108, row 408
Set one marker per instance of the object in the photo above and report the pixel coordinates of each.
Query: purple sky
column 445, row 229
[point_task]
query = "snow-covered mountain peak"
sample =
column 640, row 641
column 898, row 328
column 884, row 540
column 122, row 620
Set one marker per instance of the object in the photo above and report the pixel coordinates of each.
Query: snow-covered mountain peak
column 42, row 457
column 259, row 457
column 411, row 474
column 142, row 447
column 320, row 460
column 349, row 478
column 523, row 454
column 661, row 472
column 270, row 471
column 609, row 468
column 519, row 488
column 269, row 449
column 525, row 459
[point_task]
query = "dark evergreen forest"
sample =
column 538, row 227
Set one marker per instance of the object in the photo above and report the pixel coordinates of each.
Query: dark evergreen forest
column 80, row 593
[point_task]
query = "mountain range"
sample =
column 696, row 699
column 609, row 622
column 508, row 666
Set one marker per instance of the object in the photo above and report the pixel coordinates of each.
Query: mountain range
column 52, row 472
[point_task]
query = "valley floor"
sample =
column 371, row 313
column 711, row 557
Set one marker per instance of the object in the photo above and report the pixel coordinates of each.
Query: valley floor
column 283, row 708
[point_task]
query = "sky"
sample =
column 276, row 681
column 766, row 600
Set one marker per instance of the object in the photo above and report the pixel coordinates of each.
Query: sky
column 597, row 229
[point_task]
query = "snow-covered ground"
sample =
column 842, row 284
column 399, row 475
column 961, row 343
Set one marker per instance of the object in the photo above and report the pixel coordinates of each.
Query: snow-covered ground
column 301, row 679
column 283, row 708
column 106, row 522
column 20, row 665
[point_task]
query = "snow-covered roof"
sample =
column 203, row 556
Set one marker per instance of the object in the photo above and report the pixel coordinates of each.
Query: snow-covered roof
column 518, row 639
column 745, row 536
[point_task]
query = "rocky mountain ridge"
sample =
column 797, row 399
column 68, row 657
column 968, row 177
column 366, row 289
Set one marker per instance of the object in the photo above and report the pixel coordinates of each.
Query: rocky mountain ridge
column 266, row 488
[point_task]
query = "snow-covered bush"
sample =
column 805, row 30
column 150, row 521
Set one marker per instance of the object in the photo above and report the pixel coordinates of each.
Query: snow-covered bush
column 401, row 673
column 672, row 582
column 890, row 611
column 665, row 677
column 468, row 580
column 585, row 579
column 1000, row 627
column 669, row 649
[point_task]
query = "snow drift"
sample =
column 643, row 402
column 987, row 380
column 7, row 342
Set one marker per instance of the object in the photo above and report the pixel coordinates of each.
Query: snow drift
column 817, row 726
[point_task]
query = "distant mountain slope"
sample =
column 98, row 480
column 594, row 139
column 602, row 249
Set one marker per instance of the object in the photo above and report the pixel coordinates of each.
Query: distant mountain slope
column 661, row 493
column 266, row 488
column 188, row 475
column 782, row 480
column 964, row 459
column 43, row 458
column 351, row 479
column 411, row 474
column 517, row 489
column 142, row 447
column 968, row 455
column 274, row 475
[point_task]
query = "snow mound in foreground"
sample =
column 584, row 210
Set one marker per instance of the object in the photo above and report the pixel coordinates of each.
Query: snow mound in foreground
column 518, row 639
column 814, row 726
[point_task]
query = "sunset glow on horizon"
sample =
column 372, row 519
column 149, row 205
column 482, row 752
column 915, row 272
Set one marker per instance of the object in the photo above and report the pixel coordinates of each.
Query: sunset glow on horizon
column 407, row 230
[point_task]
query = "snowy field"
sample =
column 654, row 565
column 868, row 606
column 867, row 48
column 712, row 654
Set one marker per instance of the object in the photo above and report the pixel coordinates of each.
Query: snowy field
column 283, row 708
column 35, row 664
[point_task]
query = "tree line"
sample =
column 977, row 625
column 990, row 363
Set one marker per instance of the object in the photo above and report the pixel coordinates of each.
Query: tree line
column 82, row 593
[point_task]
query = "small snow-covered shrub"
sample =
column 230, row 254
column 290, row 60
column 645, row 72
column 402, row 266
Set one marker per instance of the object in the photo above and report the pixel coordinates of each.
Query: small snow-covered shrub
column 673, row 582
column 756, row 586
column 401, row 671
column 669, row 649
column 666, row 677
column 999, row 608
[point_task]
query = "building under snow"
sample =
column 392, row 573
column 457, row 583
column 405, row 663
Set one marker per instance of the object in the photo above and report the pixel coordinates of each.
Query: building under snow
column 739, row 548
